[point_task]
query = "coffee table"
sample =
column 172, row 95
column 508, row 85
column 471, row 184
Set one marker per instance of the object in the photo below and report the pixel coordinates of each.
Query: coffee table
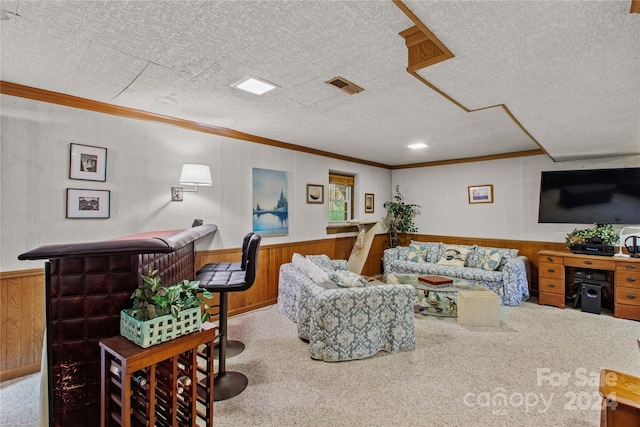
column 435, row 300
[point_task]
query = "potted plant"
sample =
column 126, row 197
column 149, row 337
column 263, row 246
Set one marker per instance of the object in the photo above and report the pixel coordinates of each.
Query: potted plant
column 161, row 313
column 604, row 232
column 400, row 217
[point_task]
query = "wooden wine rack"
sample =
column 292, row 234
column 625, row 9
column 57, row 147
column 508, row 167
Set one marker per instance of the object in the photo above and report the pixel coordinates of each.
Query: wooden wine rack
column 169, row 384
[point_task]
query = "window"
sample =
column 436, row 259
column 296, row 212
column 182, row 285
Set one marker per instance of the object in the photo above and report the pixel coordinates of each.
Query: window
column 340, row 198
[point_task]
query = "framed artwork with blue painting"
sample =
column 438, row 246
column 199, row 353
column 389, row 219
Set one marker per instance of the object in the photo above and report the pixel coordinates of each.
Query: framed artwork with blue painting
column 270, row 204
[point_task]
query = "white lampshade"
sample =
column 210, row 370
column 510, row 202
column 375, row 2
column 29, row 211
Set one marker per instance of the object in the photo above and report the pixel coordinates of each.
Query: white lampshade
column 198, row 175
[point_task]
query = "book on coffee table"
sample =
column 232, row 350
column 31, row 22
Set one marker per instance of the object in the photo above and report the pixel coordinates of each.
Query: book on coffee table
column 435, row 280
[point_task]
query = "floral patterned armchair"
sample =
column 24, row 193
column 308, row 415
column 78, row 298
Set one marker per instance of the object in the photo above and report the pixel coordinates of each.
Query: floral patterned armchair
column 346, row 323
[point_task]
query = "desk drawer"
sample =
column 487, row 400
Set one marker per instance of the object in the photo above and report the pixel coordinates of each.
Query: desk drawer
column 628, row 279
column 550, row 258
column 546, row 298
column 628, row 266
column 554, row 271
column 630, row 296
column 598, row 264
column 627, row 311
column 551, row 286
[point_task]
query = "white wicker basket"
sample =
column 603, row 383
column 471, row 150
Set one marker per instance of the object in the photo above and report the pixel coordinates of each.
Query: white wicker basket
column 146, row 333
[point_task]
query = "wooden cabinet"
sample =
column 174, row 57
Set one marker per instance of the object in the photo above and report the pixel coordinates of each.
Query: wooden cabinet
column 552, row 279
column 627, row 290
column 169, row 384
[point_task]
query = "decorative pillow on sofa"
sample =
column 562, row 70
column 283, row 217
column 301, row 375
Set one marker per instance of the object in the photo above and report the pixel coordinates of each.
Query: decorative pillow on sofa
column 434, row 251
column 314, row 272
column 490, row 259
column 417, row 252
column 475, row 257
column 323, row 261
column 349, row 279
column 454, row 256
column 297, row 260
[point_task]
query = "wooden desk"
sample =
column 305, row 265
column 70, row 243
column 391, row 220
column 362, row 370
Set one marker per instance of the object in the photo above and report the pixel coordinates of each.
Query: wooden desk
column 620, row 399
column 166, row 384
column 552, row 279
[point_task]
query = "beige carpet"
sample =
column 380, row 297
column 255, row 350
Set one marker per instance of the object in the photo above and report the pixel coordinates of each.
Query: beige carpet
column 544, row 360
column 539, row 368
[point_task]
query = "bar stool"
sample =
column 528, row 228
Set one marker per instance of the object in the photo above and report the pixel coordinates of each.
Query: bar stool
column 230, row 266
column 228, row 384
column 234, row 347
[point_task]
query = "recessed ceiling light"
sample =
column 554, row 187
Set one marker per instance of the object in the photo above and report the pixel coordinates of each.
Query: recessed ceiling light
column 254, row 85
column 417, row 146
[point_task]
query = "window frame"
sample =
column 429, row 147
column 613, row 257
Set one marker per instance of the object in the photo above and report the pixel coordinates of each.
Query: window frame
column 341, row 226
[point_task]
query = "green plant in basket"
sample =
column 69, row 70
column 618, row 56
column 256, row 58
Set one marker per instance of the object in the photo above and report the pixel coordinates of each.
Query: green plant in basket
column 151, row 299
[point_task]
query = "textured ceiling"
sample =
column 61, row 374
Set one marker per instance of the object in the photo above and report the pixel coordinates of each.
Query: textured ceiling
column 568, row 71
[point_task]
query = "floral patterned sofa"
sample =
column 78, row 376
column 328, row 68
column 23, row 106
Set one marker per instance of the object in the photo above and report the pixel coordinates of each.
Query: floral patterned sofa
column 346, row 322
column 497, row 269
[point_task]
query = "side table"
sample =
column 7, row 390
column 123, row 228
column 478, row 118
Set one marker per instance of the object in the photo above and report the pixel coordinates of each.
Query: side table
column 620, row 399
column 169, row 384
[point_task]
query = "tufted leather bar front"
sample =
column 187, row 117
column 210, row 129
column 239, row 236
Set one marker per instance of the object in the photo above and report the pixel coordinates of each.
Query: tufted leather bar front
column 87, row 285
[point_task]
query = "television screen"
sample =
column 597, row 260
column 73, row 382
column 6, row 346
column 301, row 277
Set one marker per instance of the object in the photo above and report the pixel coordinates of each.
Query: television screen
column 590, row 196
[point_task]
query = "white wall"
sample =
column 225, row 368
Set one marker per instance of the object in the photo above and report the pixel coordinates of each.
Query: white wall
column 442, row 193
column 144, row 160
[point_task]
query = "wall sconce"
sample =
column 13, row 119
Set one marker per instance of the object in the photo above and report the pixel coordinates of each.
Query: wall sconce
column 192, row 174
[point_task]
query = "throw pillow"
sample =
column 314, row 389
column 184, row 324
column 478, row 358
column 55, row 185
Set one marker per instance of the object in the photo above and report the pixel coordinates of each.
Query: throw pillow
column 454, row 256
column 315, row 273
column 298, row 261
column 323, row 261
column 417, row 252
column 349, row 279
column 490, row 260
column 434, row 251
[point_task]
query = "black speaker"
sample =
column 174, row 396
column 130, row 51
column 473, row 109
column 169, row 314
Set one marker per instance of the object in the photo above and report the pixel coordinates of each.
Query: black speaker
column 591, row 297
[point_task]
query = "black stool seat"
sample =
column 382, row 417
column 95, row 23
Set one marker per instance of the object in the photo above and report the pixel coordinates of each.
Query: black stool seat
column 221, row 266
column 229, row 384
column 234, row 347
column 223, row 281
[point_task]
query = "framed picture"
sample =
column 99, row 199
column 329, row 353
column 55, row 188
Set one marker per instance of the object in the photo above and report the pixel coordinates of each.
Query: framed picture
column 481, row 194
column 88, row 163
column 315, row 193
column 88, row 203
column 368, row 203
column 270, row 203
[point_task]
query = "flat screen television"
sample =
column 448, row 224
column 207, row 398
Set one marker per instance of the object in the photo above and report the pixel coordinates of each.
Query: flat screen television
column 590, row 196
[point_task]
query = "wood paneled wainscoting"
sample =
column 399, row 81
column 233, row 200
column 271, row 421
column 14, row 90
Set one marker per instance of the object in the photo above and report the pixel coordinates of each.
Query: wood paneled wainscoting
column 22, row 312
column 22, row 322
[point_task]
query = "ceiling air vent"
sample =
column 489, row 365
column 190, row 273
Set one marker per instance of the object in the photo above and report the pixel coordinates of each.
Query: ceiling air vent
column 345, row 85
